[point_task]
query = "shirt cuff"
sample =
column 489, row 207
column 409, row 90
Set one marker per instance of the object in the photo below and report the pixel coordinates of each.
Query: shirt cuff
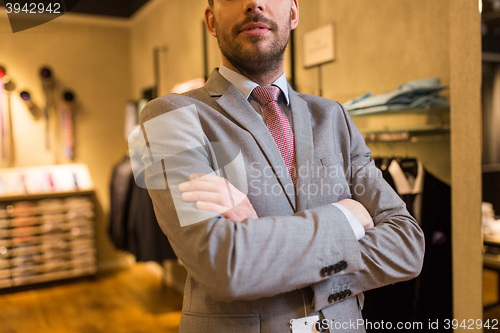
column 356, row 226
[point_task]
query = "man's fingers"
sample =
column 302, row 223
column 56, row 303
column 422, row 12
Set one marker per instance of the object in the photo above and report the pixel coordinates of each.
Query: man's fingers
column 218, row 195
column 359, row 211
column 212, row 207
column 224, row 211
column 213, row 197
column 207, row 186
column 230, row 214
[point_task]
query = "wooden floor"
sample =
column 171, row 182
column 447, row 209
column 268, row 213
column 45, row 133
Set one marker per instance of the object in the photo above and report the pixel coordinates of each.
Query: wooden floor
column 131, row 301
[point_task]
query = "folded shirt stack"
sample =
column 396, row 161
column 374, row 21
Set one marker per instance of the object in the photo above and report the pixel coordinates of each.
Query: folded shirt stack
column 419, row 94
column 491, row 223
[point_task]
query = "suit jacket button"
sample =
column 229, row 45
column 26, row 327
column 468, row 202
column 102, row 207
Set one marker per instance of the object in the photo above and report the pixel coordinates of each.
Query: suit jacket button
column 325, row 271
column 343, row 264
column 332, row 298
column 331, row 269
column 349, row 292
column 337, row 268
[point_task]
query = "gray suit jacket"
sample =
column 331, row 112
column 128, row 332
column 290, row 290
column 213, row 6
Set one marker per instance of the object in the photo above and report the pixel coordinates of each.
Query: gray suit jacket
column 248, row 276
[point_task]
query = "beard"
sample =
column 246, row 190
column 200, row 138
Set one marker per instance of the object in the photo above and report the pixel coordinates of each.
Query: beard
column 256, row 60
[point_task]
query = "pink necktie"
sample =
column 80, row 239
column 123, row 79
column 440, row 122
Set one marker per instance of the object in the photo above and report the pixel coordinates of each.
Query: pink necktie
column 278, row 125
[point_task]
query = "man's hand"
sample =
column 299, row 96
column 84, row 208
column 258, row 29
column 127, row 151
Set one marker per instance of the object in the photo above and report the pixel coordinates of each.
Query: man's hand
column 359, row 212
column 217, row 194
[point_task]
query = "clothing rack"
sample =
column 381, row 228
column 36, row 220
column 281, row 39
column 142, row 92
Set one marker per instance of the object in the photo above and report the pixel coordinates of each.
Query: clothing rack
column 429, row 296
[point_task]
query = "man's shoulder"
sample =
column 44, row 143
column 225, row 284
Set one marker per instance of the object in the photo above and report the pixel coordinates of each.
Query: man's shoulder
column 318, row 100
column 320, row 104
column 171, row 102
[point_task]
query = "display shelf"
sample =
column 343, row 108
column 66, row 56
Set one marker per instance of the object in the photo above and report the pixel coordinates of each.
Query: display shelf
column 405, row 134
column 46, row 236
column 365, row 113
column 48, row 195
column 403, row 125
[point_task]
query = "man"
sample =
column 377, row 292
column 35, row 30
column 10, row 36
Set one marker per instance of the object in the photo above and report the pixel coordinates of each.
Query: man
column 293, row 250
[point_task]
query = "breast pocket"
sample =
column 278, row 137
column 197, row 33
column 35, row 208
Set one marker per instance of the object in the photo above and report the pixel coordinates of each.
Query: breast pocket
column 328, row 182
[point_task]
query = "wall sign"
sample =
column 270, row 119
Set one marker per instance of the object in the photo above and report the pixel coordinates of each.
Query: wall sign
column 319, row 46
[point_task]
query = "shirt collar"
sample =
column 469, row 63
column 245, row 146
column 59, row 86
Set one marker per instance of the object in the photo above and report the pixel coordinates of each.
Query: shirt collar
column 246, row 86
column 401, row 181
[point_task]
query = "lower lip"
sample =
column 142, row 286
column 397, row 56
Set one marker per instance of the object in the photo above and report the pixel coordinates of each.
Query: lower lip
column 255, row 32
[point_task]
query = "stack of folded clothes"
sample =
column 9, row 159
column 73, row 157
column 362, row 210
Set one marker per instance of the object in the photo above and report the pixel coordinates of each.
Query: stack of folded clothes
column 419, row 94
column 491, row 223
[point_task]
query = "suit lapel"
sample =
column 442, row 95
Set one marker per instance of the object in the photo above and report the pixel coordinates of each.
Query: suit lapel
column 237, row 107
column 304, row 147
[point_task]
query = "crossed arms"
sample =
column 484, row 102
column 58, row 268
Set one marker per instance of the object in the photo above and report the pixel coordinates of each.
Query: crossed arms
column 218, row 195
column 236, row 255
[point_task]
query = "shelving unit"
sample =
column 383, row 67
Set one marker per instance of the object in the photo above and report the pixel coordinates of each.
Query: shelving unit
column 364, row 113
column 44, row 239
column 46, row 236
column 402, row 125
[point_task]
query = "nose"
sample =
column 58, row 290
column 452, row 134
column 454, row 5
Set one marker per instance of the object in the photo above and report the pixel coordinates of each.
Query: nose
column 254, row 6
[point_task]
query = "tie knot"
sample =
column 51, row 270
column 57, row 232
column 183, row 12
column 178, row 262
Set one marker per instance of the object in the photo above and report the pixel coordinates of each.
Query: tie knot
column 266, row 94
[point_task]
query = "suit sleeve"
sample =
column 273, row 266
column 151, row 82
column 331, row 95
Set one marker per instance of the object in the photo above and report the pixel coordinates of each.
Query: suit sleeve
column 393, row 250
column 236, row 261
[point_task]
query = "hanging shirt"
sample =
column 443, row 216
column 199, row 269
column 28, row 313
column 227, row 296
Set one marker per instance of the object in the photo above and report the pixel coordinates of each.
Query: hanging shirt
column 409, row 187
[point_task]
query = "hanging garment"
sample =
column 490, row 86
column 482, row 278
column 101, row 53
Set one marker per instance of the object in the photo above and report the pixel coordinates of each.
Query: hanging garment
column 429, row 295
column 408, row 177
column 120, row 190
column 68, row 139
column 435, row 282
column 133, row 226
